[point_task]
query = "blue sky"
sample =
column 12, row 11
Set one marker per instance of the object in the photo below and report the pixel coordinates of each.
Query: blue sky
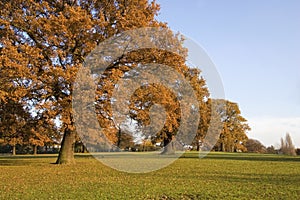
column 255, row 45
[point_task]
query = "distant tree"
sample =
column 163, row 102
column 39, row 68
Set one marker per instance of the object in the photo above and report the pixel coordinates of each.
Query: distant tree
column 39, row 136
column 13, row 118
column 206, row 114
column 298, row 151
column 287, row 147
column 255, row 146
column 271, row 150
column 234, row 133
column 146, row 96
column 147, row 145
column 125, row 141
column 13, row 91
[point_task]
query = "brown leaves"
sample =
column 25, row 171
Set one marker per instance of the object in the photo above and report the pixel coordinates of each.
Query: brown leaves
column 235, row 127
column 43, row 45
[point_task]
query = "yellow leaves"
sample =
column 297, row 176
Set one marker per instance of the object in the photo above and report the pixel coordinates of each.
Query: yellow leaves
column 36, row 142
column 38, row 138
column 46, row 43
column 3, row 95
column 156, row 94
column 14, row 141
column 233, row 135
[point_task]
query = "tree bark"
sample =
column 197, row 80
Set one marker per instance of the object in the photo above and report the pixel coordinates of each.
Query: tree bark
column 198, row 145
column 84, row 149
column 169, row 147
column 34, row 149
column 119, row 136
column 13, row 150
column 66, row 152
column 223, row 147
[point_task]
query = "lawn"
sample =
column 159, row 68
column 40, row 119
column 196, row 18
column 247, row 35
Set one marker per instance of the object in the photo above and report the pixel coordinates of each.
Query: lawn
column 217, row 176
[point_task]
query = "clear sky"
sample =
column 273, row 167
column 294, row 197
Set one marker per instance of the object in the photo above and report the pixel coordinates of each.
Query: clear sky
column 255, row 45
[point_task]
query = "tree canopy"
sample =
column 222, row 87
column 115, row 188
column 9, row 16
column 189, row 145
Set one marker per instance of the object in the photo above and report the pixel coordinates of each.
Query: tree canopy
column 44, row 43
column 234, row 134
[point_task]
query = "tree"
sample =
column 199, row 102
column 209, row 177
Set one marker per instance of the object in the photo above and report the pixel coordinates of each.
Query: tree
column 271, row 150
column 41, row 130
column 233, row 136
column 210, row 124
column 148, row 94
column 175, row 131
column 298, row 151
column 255, row 146
column 287, row 147
column 13, row 123
column 50, row 39
column 126, row 141
column 14, row 87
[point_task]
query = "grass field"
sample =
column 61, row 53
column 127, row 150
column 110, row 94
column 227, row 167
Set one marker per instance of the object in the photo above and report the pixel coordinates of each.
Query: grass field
column 217, row 176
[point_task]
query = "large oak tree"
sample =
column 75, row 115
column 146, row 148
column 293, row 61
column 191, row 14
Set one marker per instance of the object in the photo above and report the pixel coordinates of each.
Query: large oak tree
column 44, row 43
column 50, row 39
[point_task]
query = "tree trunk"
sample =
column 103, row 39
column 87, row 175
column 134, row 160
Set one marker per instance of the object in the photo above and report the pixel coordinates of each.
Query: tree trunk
column 66, row 152
column 34, row 149
column 198, row 146
column 119, row 136
column 223, row 147
column 84, row 149
column 13, row 150
column 169, row 147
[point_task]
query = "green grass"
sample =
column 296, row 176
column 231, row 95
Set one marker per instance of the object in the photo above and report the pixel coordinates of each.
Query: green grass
column 217, row 176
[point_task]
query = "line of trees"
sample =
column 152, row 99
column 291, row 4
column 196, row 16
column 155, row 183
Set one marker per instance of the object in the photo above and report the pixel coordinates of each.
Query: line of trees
column 19, row 127
column 43, row 45
column 286, row 147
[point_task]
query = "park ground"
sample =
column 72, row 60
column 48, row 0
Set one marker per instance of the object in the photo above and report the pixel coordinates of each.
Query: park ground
column 217, row 176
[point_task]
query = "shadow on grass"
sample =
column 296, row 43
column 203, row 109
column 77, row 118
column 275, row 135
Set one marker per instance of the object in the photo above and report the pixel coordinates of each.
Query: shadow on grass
column 244, row 156
column 25, row 160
